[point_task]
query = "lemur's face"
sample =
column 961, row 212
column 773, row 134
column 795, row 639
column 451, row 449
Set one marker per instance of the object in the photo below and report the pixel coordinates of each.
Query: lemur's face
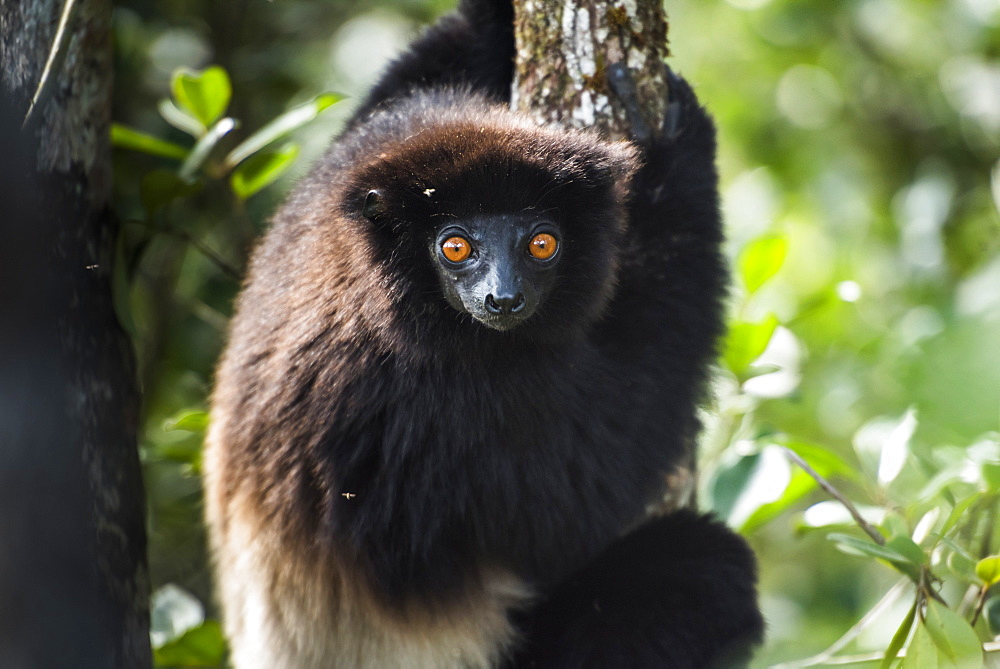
column 517, row 226
column 498, row 268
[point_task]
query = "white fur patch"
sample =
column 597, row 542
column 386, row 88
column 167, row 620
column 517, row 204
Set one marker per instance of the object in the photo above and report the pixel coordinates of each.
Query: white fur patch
column 281, row 613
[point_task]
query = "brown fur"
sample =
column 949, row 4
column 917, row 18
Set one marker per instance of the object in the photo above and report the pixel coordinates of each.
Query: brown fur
column 388, row 480
column 291, row 597
column 391, row 478
column 290, row 606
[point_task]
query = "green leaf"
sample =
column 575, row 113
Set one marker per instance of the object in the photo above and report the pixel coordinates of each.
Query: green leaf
column 896, row 447
column 761, row 260
column 160, row 187
column 899, row 638
column 991, row 476
column 899, row 561
column 186, row 451
column 262, row 169
column 958, row 549
column 894, row 524
column 729, row 481
column 128, row 138
column 281, row 126
column 988, row 569
column 952, row 635
column 199, row 154
column 866, row 547
column 831, row 513
column 205, row 94
column 906, row 547
column 201, row 646
column 745, row 342
column 800, row 485
column 768, row 481
column 957, row 512
column 922, row 653
column 825, row 463
column 940, row 482
column 821, row 459
column 961, row 566
column 191, row 421
column 180, row 119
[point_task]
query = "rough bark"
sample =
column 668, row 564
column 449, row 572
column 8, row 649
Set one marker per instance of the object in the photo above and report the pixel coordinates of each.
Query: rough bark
column 572, row 56
column 72, row 540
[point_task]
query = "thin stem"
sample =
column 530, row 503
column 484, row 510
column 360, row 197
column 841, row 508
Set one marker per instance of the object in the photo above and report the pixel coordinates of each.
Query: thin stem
column 888, row 599
column 828, row 487
column 207, row 252
column 927, row 578
column 980, row 603
column 989, row 647
column 184, row 236
column 860, row 658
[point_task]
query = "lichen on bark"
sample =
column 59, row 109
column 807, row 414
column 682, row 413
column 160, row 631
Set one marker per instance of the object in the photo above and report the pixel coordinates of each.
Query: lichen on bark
column 565, row 50
column 74, row 124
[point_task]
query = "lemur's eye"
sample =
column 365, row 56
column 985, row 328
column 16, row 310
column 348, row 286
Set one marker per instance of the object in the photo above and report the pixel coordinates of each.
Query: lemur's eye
column 374, row 205
column 456, row 249
column 542, row 246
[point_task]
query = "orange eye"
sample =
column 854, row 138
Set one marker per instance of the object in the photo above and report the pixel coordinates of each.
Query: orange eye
column 456, row 249
column 542, row 246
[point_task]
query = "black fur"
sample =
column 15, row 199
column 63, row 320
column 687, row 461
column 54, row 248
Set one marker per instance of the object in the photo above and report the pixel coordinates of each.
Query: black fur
column 368, row 416
column 677, row 592
column 474, row 47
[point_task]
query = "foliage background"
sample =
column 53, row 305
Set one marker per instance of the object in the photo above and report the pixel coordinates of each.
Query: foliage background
column 864, row 134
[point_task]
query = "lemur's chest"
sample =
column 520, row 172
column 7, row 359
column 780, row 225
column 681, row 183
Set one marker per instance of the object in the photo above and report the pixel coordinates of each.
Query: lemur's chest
column 529, row 399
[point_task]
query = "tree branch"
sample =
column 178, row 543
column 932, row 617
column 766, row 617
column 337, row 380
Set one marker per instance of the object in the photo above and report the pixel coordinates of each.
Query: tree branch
column 869, row 529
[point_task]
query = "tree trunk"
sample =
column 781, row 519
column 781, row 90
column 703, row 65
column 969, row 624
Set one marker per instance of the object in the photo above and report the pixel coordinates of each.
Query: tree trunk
column 599, row 64
column 592, row 64
column 73, row 582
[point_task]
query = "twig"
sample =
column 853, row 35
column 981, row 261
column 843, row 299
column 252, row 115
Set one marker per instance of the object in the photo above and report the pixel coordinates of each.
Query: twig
column 860, row 658
column 207, row 252
column 925, row 575
column 980, row 602
column 850, row 635
column 186, row 237
column 209, row 315
column 827, row 486
column 924, row 586
column 988, row 647
column 57, row 54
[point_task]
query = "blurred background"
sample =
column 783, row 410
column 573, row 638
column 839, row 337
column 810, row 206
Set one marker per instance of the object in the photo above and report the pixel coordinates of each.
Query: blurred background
column 859, row 145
